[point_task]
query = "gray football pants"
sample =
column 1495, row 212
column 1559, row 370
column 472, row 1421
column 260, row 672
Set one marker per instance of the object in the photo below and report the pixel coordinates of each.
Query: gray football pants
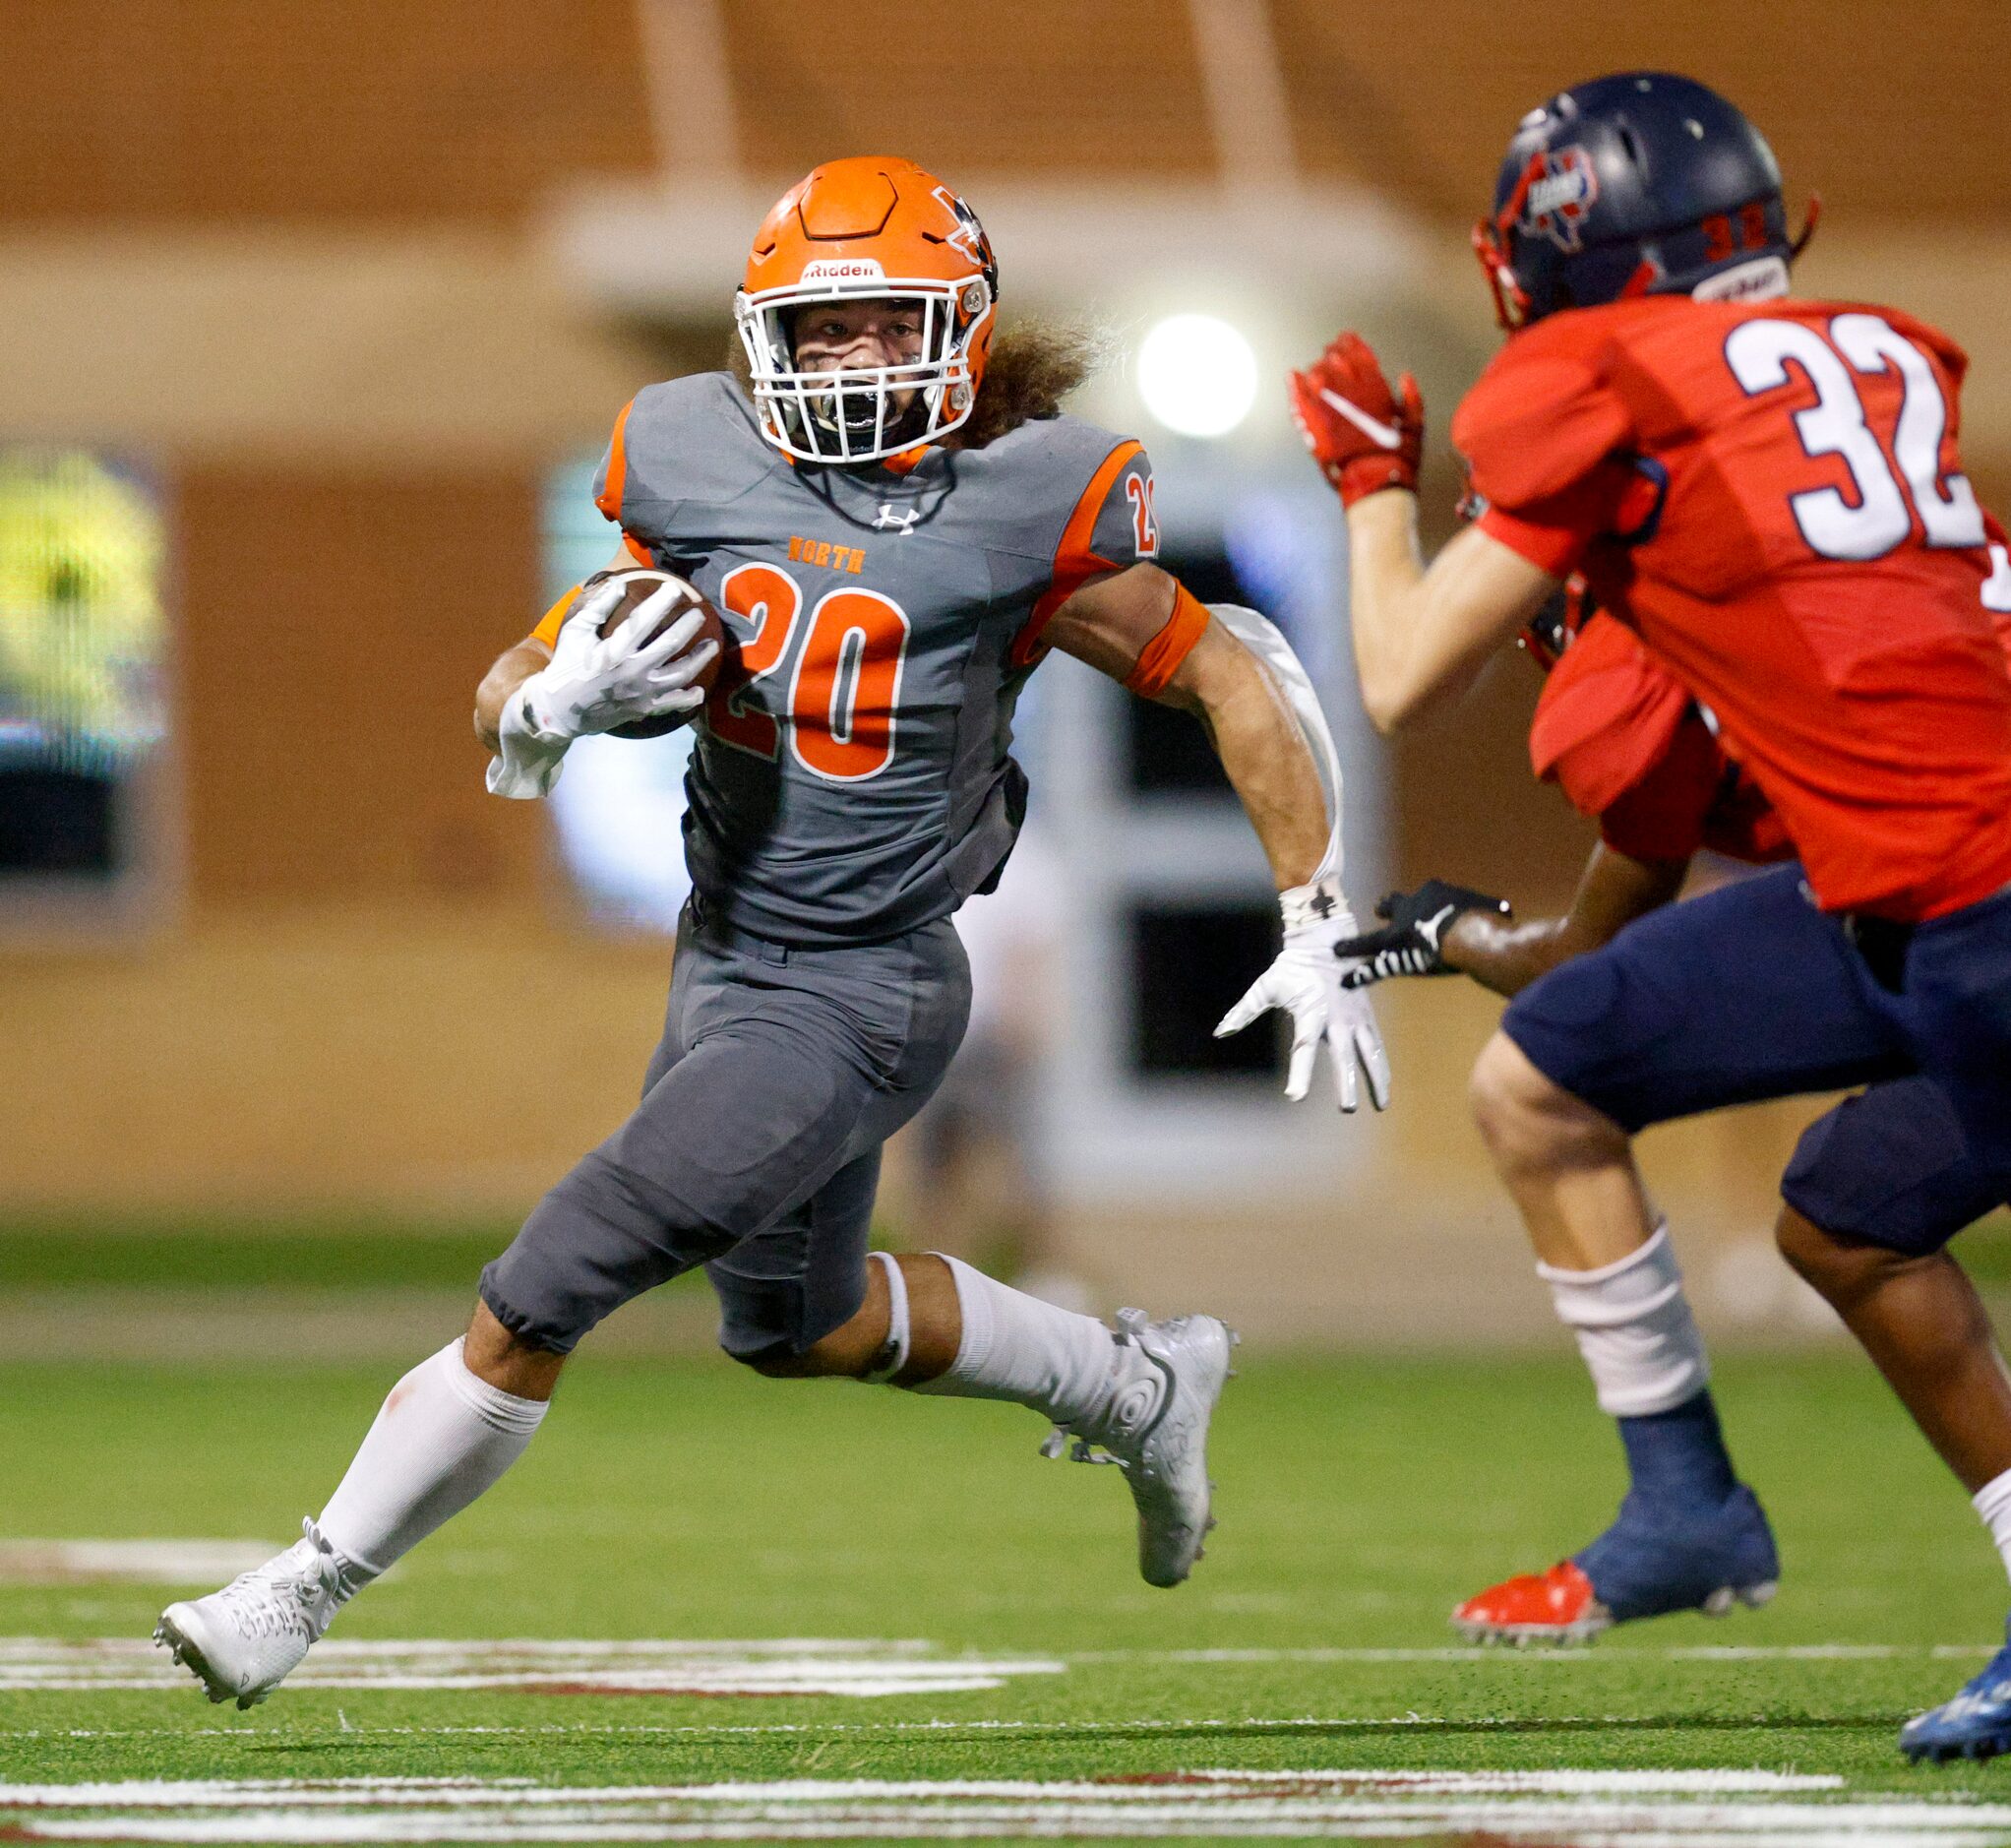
column 756, row 1148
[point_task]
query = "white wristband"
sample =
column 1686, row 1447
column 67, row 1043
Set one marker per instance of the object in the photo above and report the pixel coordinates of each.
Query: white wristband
column 1318, row 903
column 527, row 758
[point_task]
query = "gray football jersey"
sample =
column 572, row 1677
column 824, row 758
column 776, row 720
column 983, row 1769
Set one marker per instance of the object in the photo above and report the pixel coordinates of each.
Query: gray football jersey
column 852, row 776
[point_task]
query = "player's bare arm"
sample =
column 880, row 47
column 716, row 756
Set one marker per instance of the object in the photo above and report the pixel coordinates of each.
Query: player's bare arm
column 509, row 670
column 1422, row 632
column 1110, row 622
column 1266, row 746
column 1613, row 890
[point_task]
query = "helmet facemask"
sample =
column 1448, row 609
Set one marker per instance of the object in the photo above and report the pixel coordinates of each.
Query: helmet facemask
column 857, row 414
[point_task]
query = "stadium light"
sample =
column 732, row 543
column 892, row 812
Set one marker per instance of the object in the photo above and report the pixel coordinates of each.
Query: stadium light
column 1198, row 374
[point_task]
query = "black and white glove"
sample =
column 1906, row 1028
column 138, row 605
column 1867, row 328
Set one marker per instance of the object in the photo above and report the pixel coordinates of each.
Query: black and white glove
column 1306, row 982
column 1412, row 940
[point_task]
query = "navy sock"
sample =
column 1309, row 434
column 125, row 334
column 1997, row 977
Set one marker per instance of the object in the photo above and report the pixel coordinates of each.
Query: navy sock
column 1676, row 1459
column 1688, row 1527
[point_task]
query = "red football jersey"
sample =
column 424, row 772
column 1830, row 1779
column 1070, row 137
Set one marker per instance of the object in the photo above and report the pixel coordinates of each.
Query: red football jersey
column 1628, row 747
column 1768, row 493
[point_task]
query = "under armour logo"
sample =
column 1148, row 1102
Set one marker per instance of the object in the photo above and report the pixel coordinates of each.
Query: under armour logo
column 890, row 520
column 1323, row 906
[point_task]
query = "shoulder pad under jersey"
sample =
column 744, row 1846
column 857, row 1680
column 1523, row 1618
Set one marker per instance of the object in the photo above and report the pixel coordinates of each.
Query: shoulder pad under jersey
column 1545, row 413
column 686, row 440
column 1067, row 489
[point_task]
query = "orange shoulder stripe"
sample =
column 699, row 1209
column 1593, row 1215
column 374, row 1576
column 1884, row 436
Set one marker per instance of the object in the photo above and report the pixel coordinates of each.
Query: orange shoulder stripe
column 1160, row 658
column 1074, row 562
column 609, row 499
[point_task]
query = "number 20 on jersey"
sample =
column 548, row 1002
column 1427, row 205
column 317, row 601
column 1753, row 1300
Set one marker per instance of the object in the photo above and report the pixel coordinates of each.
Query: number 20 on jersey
column 843, row 687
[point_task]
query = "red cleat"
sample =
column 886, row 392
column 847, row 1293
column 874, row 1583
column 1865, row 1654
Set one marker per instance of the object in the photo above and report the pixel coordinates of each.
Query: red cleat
column 1556, row 1606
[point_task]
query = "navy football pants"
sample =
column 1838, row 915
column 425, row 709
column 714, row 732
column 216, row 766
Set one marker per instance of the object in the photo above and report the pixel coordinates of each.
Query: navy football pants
column 1750, row 992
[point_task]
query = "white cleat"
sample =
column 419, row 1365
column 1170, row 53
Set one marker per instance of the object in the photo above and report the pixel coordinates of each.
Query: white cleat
column 243, row 1642
column 1155, row 1429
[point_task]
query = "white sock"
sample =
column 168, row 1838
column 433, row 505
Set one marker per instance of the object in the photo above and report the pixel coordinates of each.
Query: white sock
column 1992, row 1502
column 1016, row 1348
column 1634, row 1328
column 443, row 1437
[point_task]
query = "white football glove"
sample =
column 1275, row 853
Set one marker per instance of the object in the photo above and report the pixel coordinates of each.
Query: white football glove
column 592, row 684
column 1306, row 981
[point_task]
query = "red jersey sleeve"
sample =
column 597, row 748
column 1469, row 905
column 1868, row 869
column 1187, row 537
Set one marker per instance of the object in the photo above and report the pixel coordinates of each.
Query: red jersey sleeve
column 1620, row 735
column 1606, row 717
column 1665, row 815
column 1542, row 432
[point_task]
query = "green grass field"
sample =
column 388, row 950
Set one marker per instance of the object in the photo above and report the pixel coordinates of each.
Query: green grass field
column 685, row 1504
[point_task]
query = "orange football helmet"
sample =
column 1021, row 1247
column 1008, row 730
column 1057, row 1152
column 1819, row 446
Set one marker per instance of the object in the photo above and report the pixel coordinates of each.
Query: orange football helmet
column 867, row 228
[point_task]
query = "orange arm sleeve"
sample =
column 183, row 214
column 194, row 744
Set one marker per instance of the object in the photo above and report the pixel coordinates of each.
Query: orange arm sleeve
column 1160, row 658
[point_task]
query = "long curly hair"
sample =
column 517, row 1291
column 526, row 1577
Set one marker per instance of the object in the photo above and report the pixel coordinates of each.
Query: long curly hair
column 1033, row 366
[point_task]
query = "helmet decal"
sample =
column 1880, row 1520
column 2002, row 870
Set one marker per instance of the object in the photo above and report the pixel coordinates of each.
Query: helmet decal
column 1559, row 194
column 970, row 235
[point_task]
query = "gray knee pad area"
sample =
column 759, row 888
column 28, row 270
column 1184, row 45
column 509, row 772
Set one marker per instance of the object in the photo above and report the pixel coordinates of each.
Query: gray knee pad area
column 755, row 1150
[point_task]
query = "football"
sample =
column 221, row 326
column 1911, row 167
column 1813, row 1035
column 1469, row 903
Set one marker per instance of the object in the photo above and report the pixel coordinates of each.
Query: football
column 638, row 587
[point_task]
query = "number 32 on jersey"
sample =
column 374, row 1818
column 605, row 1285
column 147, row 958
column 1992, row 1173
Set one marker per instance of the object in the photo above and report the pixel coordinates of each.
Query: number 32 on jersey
column 1761, row 353
column 844, row 681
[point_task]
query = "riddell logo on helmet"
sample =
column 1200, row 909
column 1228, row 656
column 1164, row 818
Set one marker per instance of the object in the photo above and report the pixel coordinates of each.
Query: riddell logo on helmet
column 844, row 270
column 1559, row 195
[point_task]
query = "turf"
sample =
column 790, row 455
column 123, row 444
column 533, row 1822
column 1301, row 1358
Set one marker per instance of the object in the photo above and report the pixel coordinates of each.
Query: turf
column 686, row 1500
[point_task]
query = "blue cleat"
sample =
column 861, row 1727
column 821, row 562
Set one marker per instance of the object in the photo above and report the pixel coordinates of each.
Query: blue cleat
column 1976, row 1724
column 1656, row 1559
column 1689, row 1536
column 1652, row 1561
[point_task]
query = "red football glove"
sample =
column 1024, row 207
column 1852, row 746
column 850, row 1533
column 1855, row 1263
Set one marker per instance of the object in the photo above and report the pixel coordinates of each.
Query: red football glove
column 1365, row 437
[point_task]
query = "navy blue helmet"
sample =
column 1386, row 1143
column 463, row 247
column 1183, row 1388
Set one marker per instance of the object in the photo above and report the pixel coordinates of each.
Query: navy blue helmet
column 1638, row 184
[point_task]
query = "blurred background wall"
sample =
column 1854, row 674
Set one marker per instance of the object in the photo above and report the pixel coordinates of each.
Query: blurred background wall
column 345, row 294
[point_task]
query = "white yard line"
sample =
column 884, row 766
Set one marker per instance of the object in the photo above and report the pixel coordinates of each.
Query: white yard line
column 1570, row 1655
column 849, row 1666
column 1572, row 1809
column 252, row 1733
column 145, row 1561
column 860, row 1667
column 1186, row 1787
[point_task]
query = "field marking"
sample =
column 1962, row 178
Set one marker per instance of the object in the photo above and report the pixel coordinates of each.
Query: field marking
column 1579, row 1654
column 802, row 1666
column 776, row 1667
column 1182, row 1787
column 253, row 1734
column 139, row 1562
column 1572, row 1809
